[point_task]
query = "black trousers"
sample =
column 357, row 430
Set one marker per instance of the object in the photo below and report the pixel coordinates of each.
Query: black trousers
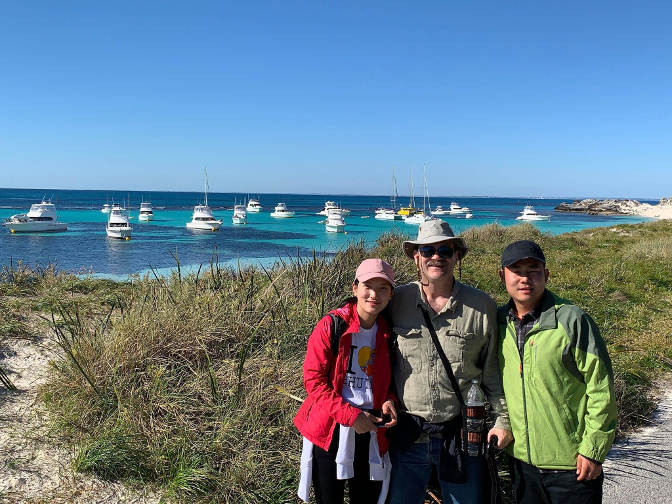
column 329, row 490
column 532, row 486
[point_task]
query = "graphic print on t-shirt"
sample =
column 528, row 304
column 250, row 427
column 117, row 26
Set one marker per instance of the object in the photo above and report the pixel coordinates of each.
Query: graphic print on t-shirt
column 357, row 385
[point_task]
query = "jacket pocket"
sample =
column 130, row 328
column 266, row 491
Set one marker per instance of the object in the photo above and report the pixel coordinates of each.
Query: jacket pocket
column 409, row 349
column 572, row 427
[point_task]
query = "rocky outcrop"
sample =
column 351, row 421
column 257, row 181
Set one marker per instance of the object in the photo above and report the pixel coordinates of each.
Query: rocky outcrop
column 666, row 201
column 603, row 207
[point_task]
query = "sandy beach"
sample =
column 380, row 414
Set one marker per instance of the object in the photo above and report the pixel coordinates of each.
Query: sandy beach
column 657, row 211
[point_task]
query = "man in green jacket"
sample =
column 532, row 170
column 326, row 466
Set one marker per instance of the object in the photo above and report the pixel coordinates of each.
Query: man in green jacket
column 558, row 385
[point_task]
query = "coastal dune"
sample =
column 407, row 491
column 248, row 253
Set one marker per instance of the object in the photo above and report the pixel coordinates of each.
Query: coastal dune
column 663, row 210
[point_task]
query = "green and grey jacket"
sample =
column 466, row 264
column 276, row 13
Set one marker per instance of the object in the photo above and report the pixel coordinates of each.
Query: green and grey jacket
column 561, row 394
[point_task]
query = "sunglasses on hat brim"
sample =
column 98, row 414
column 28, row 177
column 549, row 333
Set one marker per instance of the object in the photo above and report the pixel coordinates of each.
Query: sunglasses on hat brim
column 444, row 252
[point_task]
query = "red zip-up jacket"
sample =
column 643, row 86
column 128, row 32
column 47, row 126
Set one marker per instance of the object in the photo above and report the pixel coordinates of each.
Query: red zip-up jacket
column 324, row 407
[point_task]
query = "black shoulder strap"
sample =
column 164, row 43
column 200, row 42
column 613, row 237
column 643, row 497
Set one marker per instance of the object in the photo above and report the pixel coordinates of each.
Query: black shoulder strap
column 442, row 356
column 338, row 326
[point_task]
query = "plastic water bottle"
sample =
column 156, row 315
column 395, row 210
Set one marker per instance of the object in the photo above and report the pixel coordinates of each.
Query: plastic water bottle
column 475, row 420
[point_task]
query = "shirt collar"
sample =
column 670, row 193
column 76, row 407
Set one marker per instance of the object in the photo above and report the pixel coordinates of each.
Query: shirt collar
column 451, row 305
column 535, row 314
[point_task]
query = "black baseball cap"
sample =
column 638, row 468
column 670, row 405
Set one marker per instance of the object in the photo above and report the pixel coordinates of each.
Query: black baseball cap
column 523, row 249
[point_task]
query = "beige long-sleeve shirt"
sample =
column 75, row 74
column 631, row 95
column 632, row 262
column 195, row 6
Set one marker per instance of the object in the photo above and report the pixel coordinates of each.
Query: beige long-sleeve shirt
column 467, row 330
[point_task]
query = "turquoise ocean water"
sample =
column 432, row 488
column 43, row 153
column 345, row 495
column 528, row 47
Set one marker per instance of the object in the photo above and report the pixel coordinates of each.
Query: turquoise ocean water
column 85, row 246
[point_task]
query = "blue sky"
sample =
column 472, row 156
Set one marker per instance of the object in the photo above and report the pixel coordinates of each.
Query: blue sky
column 534, row 98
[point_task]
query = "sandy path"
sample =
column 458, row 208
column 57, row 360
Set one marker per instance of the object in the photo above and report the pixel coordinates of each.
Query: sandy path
column 638, row 469
column 34, row 467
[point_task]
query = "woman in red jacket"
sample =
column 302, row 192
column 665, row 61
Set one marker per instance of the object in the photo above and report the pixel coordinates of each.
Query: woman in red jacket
column 349, row 396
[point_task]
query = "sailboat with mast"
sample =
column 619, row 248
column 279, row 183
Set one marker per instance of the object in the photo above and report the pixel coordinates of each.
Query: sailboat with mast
column 202, row 217
column 420, row 217
column 390, row 213
column 410, row 209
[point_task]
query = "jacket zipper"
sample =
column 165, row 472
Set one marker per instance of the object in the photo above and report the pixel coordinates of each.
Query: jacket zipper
column 522, row 381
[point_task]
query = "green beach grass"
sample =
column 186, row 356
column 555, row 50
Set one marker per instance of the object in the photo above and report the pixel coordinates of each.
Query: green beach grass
column 190, row 383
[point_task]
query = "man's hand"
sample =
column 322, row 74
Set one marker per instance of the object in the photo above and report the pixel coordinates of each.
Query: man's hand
column 586, row 469
column 364, row 423
column 504, row 437
column 389, row 409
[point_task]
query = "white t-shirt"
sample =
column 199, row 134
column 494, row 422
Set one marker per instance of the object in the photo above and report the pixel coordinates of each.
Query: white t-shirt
column 359, row 373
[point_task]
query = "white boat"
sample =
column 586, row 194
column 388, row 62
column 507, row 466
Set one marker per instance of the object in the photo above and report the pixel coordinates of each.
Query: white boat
column 281, row 212
column 40, row 218
column 106, row 208
column 254, row 206
column 440, row 211
column 530, row 214
column 239, row 215
column 330, row 205
column 383, row 213
column 456, row 209
column 146, row 212
column 335, row 222
column 118, row 225
column 202, row 217
column 420, row 217
column 469, row 216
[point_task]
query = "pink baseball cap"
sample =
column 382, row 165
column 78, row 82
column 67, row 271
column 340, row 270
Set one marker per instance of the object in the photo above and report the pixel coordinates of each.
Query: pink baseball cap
column 374, row 268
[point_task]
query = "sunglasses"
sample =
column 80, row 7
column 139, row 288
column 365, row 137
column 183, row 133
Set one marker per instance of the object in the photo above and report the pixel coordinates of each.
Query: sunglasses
column 428, row 252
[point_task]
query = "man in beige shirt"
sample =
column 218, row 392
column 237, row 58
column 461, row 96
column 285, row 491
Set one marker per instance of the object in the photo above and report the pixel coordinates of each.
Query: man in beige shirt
column 465, row 320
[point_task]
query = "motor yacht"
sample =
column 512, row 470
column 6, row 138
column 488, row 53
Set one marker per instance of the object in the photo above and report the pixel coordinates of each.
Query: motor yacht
column 335, row 222
column 456, row 209
column 440, row 211
column 530, row 214
column 239, row 215
column 387, row 214
column 418, row 218
column 40, row 218
column 330, row 205
column 281, row 212
column 254, row 206
column 118, row 225
column 202, row 217
column 146, row 212
column 106, row 208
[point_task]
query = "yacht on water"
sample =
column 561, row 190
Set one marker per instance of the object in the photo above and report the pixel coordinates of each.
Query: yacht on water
column 383, row 213
column 40, row 218
column 118, row 225
column 281, row 212
column 202, row 217
column 146, row 212
column 456, row 209
column 335, row 222
column 254, row 206
column 530, row 214
column 239, row 215
column 440, row 211
column 106, row 208
column 419, row 217
column 329, row 206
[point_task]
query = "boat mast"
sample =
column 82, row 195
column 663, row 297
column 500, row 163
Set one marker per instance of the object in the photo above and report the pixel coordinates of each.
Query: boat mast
column 424, row 172
column 394, row 191
column 205, row 172
column 411, row 200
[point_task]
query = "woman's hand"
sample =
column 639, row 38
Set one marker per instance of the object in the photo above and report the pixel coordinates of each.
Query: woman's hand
column 365, row 423
column 389, row 409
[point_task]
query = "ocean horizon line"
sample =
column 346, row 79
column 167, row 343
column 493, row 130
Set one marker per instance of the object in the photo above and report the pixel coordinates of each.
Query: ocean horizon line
column 335, row 195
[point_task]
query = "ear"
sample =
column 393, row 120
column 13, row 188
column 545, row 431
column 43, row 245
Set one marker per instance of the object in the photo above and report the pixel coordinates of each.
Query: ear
column 546, row 275
column 501, row 275
column 354, row 290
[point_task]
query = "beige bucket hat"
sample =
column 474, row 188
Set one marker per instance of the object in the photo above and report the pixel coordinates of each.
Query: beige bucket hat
column 435, row 231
